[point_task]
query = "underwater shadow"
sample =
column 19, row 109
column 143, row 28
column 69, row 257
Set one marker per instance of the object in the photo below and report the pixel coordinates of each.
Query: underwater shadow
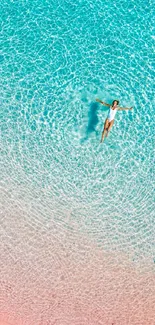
column 92, row 120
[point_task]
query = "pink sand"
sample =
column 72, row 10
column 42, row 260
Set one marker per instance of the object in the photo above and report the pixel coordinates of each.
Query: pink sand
column 60, row 277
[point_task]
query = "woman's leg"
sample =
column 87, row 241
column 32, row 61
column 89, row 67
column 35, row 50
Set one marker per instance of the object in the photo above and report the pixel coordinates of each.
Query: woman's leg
column 110, row 126
column 106, row 125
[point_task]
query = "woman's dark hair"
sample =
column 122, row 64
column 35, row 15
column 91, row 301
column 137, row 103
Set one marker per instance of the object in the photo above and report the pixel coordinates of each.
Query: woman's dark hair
column 115, row 101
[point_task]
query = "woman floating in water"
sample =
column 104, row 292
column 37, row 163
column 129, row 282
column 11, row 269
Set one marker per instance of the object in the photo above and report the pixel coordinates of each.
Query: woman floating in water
column 111, row 115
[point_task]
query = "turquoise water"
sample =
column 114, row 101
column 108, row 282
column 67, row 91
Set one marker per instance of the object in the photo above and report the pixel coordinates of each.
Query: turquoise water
column 56, row 57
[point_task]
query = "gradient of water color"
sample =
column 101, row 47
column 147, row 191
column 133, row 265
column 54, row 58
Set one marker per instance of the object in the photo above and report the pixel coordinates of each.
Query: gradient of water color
column 77, row 225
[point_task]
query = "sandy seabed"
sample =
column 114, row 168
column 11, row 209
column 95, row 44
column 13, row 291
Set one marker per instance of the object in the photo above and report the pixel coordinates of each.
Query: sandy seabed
column 55, row 275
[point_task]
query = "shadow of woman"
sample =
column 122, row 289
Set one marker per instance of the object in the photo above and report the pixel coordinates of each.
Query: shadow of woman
column 92, row 120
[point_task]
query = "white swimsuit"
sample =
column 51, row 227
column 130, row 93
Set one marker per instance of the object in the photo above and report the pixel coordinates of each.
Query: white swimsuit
column 111, row 114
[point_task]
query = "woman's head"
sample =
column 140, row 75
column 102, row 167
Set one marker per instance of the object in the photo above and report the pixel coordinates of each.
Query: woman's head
column 115, row 102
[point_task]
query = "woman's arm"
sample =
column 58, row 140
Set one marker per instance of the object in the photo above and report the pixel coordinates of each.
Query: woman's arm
column 124, row 108
column 103, row 103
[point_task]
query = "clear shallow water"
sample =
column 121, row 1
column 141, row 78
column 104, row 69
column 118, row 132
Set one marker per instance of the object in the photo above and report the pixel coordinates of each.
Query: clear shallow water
column 56, row 58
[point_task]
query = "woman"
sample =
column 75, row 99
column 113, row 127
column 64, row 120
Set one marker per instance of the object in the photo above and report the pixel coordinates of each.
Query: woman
column 111, row 115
